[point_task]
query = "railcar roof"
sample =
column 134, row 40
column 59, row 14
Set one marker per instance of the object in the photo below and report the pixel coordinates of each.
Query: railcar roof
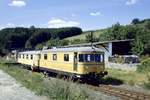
column 70, row 49
column 73, row 49
column 30, row 52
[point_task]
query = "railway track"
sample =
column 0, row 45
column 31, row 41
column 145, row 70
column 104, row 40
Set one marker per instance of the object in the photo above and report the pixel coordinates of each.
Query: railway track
column 121, row 93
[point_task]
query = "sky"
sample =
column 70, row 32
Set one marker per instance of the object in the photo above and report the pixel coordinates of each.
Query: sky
column 87, row 14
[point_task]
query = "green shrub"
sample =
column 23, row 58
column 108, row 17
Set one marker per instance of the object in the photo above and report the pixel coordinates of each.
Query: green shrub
column 145, row 66
column 131, row 82
column 147, row 84
column 61, row 90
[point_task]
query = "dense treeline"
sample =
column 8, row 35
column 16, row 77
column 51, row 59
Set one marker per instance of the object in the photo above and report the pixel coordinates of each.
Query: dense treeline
column 137, row 30
column 19, row 38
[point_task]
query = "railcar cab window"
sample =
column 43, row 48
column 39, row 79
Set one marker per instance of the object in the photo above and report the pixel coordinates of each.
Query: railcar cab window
column 98, row 58
column 54, row 56
column 66, row 57
column 45, row 56
column 31, row 57
column 91, row 58
column 102, row 58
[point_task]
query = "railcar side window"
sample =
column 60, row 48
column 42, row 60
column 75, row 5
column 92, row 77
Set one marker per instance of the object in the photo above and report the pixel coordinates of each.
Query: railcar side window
column 19, row 55
column 54, row 56
column 66, row 57
column 45, row 56
column 31, row 56
column 27, row 56
column 23, row 56
column 81, row 58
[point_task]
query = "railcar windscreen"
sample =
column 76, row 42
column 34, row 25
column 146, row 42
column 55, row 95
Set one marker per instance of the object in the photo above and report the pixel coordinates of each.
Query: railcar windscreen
column 90, row 57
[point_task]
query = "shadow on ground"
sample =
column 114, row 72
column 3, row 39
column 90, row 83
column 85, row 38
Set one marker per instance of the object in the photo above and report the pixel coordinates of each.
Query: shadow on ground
column 11, row 64
column 111, row 81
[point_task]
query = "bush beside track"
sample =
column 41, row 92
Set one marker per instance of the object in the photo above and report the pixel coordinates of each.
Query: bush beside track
column 145, row 68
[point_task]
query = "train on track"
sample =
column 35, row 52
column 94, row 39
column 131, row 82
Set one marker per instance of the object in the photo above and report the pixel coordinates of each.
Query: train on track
column 78, row 62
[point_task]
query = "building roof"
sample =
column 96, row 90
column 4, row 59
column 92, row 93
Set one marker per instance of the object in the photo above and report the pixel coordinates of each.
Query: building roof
column 97, row 43
column 113, row 41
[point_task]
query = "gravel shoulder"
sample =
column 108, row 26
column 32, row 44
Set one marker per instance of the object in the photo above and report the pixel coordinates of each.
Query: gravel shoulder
column 134, row 88
column 12, row 90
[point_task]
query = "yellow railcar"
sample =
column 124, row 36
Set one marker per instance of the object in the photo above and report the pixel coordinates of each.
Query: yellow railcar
column 76, row 61
column 30, row 58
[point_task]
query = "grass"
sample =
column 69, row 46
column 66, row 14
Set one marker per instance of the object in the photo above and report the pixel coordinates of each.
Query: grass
column 128, row 77
column 83, row 35
column 54, row 89
column 144, row 67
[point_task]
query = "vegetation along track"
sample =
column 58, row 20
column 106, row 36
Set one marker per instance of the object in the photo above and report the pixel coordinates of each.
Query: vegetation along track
column 121, row 93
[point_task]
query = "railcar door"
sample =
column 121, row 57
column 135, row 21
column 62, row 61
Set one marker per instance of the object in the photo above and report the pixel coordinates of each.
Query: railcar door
column 75, row 67
column 38, row 60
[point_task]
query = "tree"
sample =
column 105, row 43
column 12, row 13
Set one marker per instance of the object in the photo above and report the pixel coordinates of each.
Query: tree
column 91, row 38
column 53, row 43
column 64, row 42
column 39, row 46
column 135, row 21
column 138, row 47
column 32, row 27
column 147, row 25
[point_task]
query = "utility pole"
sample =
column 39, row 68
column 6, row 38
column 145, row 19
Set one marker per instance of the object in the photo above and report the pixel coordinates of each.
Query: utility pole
column 91, row 38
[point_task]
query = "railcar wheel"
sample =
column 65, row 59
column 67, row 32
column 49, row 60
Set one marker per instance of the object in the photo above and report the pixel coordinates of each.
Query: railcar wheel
column 71, row 78
column 45, row 73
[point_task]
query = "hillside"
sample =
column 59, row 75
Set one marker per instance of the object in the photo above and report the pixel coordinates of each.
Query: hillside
column 83, row 35
column 20, row 38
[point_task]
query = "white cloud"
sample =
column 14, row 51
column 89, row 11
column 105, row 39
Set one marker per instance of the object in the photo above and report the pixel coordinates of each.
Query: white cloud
column 95, row 13
column 57, row 23
column 131, row 2
column 1, row 27
column 17, row 3
column 10, row 24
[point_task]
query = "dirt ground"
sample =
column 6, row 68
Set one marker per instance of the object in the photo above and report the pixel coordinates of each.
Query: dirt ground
column 11, row 90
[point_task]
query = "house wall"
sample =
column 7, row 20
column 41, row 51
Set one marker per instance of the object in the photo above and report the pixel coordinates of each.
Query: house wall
column 112, row 48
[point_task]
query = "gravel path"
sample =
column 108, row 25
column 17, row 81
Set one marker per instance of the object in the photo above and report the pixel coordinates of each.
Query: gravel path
column 11, row 90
